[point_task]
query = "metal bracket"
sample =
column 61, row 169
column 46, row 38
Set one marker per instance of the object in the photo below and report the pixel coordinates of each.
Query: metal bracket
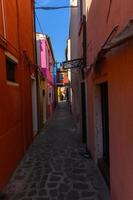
column 70, row 64
column 3, row 42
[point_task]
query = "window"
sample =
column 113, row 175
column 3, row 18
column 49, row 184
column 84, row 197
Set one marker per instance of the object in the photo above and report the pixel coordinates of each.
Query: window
column 102, row 129
column 61, row 76
column 10, row 70
column 43, row 92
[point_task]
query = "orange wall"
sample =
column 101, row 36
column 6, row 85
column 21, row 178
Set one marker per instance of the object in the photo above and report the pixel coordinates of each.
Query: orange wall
column 11, row 22
column 26, row 42
column 15, row 102
column 118, row 71
column 26, row 26
column 11, row 147
column 121, row 125
column 1, row 21
column 65, row 77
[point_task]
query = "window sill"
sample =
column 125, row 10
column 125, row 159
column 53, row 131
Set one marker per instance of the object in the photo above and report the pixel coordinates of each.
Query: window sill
column 12, row 83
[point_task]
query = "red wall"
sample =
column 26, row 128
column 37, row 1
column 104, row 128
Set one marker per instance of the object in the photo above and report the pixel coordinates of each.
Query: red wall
column 15, row 101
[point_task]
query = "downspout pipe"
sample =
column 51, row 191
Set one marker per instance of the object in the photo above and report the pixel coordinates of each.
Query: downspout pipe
column 87, row 152
column 84, row 44
column 83, row 86
column 35, row 53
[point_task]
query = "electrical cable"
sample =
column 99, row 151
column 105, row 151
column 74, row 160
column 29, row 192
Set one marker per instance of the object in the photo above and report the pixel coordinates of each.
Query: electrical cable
column 54, row 8
column 39, row 24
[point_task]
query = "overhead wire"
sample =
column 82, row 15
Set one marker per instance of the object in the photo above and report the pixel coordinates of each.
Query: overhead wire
column 51, row 7
column 39, row 67
column 54, row 8
column 39, row 23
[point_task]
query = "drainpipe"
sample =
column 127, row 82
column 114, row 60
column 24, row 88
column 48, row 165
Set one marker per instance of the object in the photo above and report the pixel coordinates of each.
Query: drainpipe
column 34, row 28
column 37, row 78
column 55, row 82
column 84, row 43
column 83, row 86
column 3, row 18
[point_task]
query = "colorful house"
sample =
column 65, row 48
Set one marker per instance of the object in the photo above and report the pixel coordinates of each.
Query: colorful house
column 46, row 62
column 63, row 84
column 17, row 67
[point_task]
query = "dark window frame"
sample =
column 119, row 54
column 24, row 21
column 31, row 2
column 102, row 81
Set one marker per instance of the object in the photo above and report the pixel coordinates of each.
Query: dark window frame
column 10, row 70
column 61, row 76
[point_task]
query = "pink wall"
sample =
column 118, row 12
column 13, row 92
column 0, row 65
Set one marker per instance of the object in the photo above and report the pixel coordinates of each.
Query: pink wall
column 46, row 59
column 47, row 67
column 43, row 53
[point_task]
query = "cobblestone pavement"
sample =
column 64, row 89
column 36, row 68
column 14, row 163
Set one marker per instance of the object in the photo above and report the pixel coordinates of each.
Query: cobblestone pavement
column 54, row 169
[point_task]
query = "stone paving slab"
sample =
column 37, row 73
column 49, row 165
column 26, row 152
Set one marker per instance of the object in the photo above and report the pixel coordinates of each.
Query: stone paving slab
column 54, row 169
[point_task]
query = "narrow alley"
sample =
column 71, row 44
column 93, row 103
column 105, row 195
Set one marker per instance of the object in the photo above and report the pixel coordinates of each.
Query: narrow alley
column 66, row 103
column 55, row 168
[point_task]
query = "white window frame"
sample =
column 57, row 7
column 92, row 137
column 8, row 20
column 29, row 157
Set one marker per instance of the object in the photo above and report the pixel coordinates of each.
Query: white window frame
column 15, row 60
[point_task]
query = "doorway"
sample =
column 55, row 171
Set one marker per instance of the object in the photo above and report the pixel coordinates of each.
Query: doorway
column 102, row 130
column 44, row 106
column 105, row 121
column 83, row 104
column 34, row 107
